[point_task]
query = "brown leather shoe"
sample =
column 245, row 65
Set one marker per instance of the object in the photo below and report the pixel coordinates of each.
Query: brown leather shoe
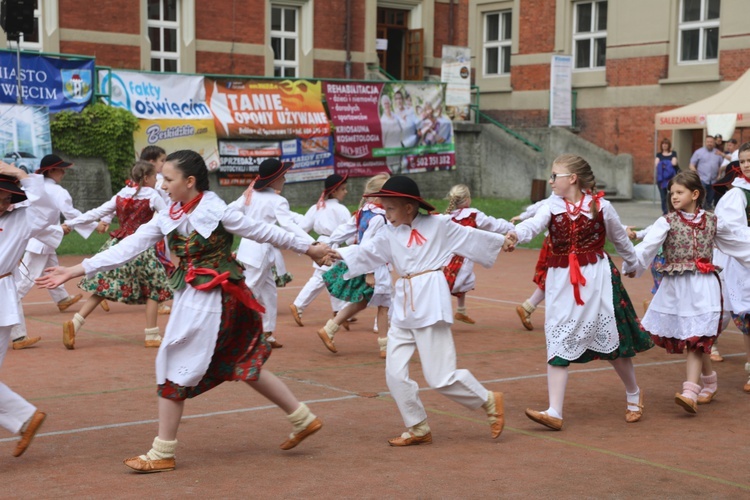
column 525, row 318
column 463, row 317
column 275, row 344
column 69, row 335
column 327, row 340
column 25, row 342
column 705, row 397
column 296, row 439
column 296, row 314
column 104, row 305
column 148, row 466
column 686, row 403
column 541, row 417
column 69, row 301
column 382, row 354
column 36, row 421
column 412, row 440
column 152, row 343
column 497, row 426
column 634, row 416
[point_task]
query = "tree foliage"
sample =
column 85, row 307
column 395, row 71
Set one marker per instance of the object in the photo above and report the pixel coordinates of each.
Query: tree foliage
column 99, row 131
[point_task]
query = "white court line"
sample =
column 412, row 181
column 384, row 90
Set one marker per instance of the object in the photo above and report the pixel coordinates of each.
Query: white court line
column 326, row 400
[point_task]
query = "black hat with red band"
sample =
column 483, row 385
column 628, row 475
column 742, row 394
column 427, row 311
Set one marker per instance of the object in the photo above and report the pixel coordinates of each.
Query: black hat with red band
column 400, row 186
column 52, row 161
column 333, row 182
column 11, row 185
column 270, row 170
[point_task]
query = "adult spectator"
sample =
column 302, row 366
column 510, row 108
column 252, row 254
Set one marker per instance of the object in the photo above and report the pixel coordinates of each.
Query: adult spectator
column 666, row 168
column 706, row 163
column 719, row 143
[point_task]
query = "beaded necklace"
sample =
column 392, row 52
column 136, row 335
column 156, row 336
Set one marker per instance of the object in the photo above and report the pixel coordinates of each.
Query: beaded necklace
column 177, row 209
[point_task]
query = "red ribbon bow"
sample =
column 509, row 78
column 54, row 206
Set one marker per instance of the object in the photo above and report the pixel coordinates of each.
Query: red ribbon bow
column 415, row 237
column 595, row 197
column 576, row 278
column 704, row 266
column 223, row 279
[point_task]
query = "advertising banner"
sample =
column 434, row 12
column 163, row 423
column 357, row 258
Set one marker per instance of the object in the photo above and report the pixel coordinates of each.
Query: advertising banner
column 173, row 135
column 155, row 95
column 390, row 127
column 60, row 84
column 267, row 109
column 560, row 94
column 456, row 74
column 24, row 135
column 240, row 159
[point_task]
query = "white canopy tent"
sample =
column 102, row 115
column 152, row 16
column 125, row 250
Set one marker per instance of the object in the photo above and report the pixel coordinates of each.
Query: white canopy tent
column 720, row 113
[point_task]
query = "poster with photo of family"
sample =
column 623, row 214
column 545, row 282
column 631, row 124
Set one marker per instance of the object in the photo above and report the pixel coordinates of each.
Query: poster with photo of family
column 391, row 127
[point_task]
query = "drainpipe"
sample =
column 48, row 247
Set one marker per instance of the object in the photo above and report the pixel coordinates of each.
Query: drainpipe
column 348, row 40
column 450, row 23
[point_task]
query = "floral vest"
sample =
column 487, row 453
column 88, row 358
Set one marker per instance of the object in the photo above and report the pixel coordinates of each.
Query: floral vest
column 212, row 253
column 688, row 248
column 582, row 236
column 132, row 214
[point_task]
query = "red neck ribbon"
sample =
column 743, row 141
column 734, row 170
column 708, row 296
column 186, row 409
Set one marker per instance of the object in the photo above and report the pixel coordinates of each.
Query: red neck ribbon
column 415, row 237
column 177, row 209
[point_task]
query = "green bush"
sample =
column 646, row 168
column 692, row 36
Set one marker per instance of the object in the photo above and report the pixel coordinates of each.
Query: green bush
column 99, row 131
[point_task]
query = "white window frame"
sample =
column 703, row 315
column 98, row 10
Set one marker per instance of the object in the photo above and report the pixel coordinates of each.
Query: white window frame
column 162, row 25
column 29, row 45
column 283, row 35
column 593, row 35
column 504, row 41
column 702, row 25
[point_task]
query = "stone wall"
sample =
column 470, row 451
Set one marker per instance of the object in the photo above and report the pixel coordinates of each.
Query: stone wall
column 88, row 182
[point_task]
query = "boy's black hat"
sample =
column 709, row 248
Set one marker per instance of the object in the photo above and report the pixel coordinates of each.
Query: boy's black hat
column 722, row 185
column 333, row 182
column 11, row 185
column 52, row 161
column 400, row 186
column 270, row 170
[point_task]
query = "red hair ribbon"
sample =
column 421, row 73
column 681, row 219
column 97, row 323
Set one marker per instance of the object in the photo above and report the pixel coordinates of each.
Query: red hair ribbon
column 595, row 197
column 576, row 278
column 131, row 183
column 321, row 201
column 415, row 237
column 222, row 280
column 248, row 194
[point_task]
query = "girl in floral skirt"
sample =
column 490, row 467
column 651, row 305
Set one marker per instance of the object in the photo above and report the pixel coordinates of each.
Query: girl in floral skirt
column 372, row 289
column 141, row 281
column 215, row 332
column 589, row 314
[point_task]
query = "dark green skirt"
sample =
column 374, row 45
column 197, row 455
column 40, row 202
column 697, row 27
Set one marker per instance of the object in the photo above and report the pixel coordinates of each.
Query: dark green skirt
column 633, row 338
column 352, row 290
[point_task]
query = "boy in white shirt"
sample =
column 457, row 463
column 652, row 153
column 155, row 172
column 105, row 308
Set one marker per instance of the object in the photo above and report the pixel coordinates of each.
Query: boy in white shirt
column 417, row 246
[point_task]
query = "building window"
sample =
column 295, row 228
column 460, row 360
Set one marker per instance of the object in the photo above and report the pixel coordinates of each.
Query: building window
column 285, row 40
column 32, row 41
column 164, row 32
column 590, row 35
column 497, row 39
column 699, row 30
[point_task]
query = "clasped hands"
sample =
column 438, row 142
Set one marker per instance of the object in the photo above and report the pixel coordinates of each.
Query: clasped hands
column 511, row 239
column 322, row 254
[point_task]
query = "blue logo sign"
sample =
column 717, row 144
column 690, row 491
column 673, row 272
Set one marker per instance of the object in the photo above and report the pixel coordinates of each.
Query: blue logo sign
column 76, row 84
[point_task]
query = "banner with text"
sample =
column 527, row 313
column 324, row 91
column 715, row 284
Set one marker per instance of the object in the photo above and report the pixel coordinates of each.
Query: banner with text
column 60, row 84
column 154, row 95
column 240, row 159
column 267, row 109
column 391, row 127
column 456, row 73
column 173, row 135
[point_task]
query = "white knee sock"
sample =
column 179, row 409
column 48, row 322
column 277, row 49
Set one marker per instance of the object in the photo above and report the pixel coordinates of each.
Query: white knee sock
column 300, row 419
column 160, row 450
column 78, row 322
column 152, row 333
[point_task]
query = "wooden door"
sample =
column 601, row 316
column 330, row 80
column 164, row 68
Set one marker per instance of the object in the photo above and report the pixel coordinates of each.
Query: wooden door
column 381, row 32
column 414, row 63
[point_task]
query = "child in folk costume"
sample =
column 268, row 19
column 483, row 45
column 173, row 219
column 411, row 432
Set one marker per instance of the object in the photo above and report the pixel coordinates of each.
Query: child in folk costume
column 323, row 218
column 417, row 246
column 214, row 334
column 589, row 316
column 734, row 210
column 140, row 281
column 372, row 289
column 527, row 308
column 261, row 201
column 39, row 256
column 16, row 228
column 459, row 271
column 685, row 313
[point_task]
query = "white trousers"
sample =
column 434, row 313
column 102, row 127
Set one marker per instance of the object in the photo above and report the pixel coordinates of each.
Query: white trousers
column 263, row 286
column 32, row 267
column 437, row 354
column 312, row 289
column 14, row 410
